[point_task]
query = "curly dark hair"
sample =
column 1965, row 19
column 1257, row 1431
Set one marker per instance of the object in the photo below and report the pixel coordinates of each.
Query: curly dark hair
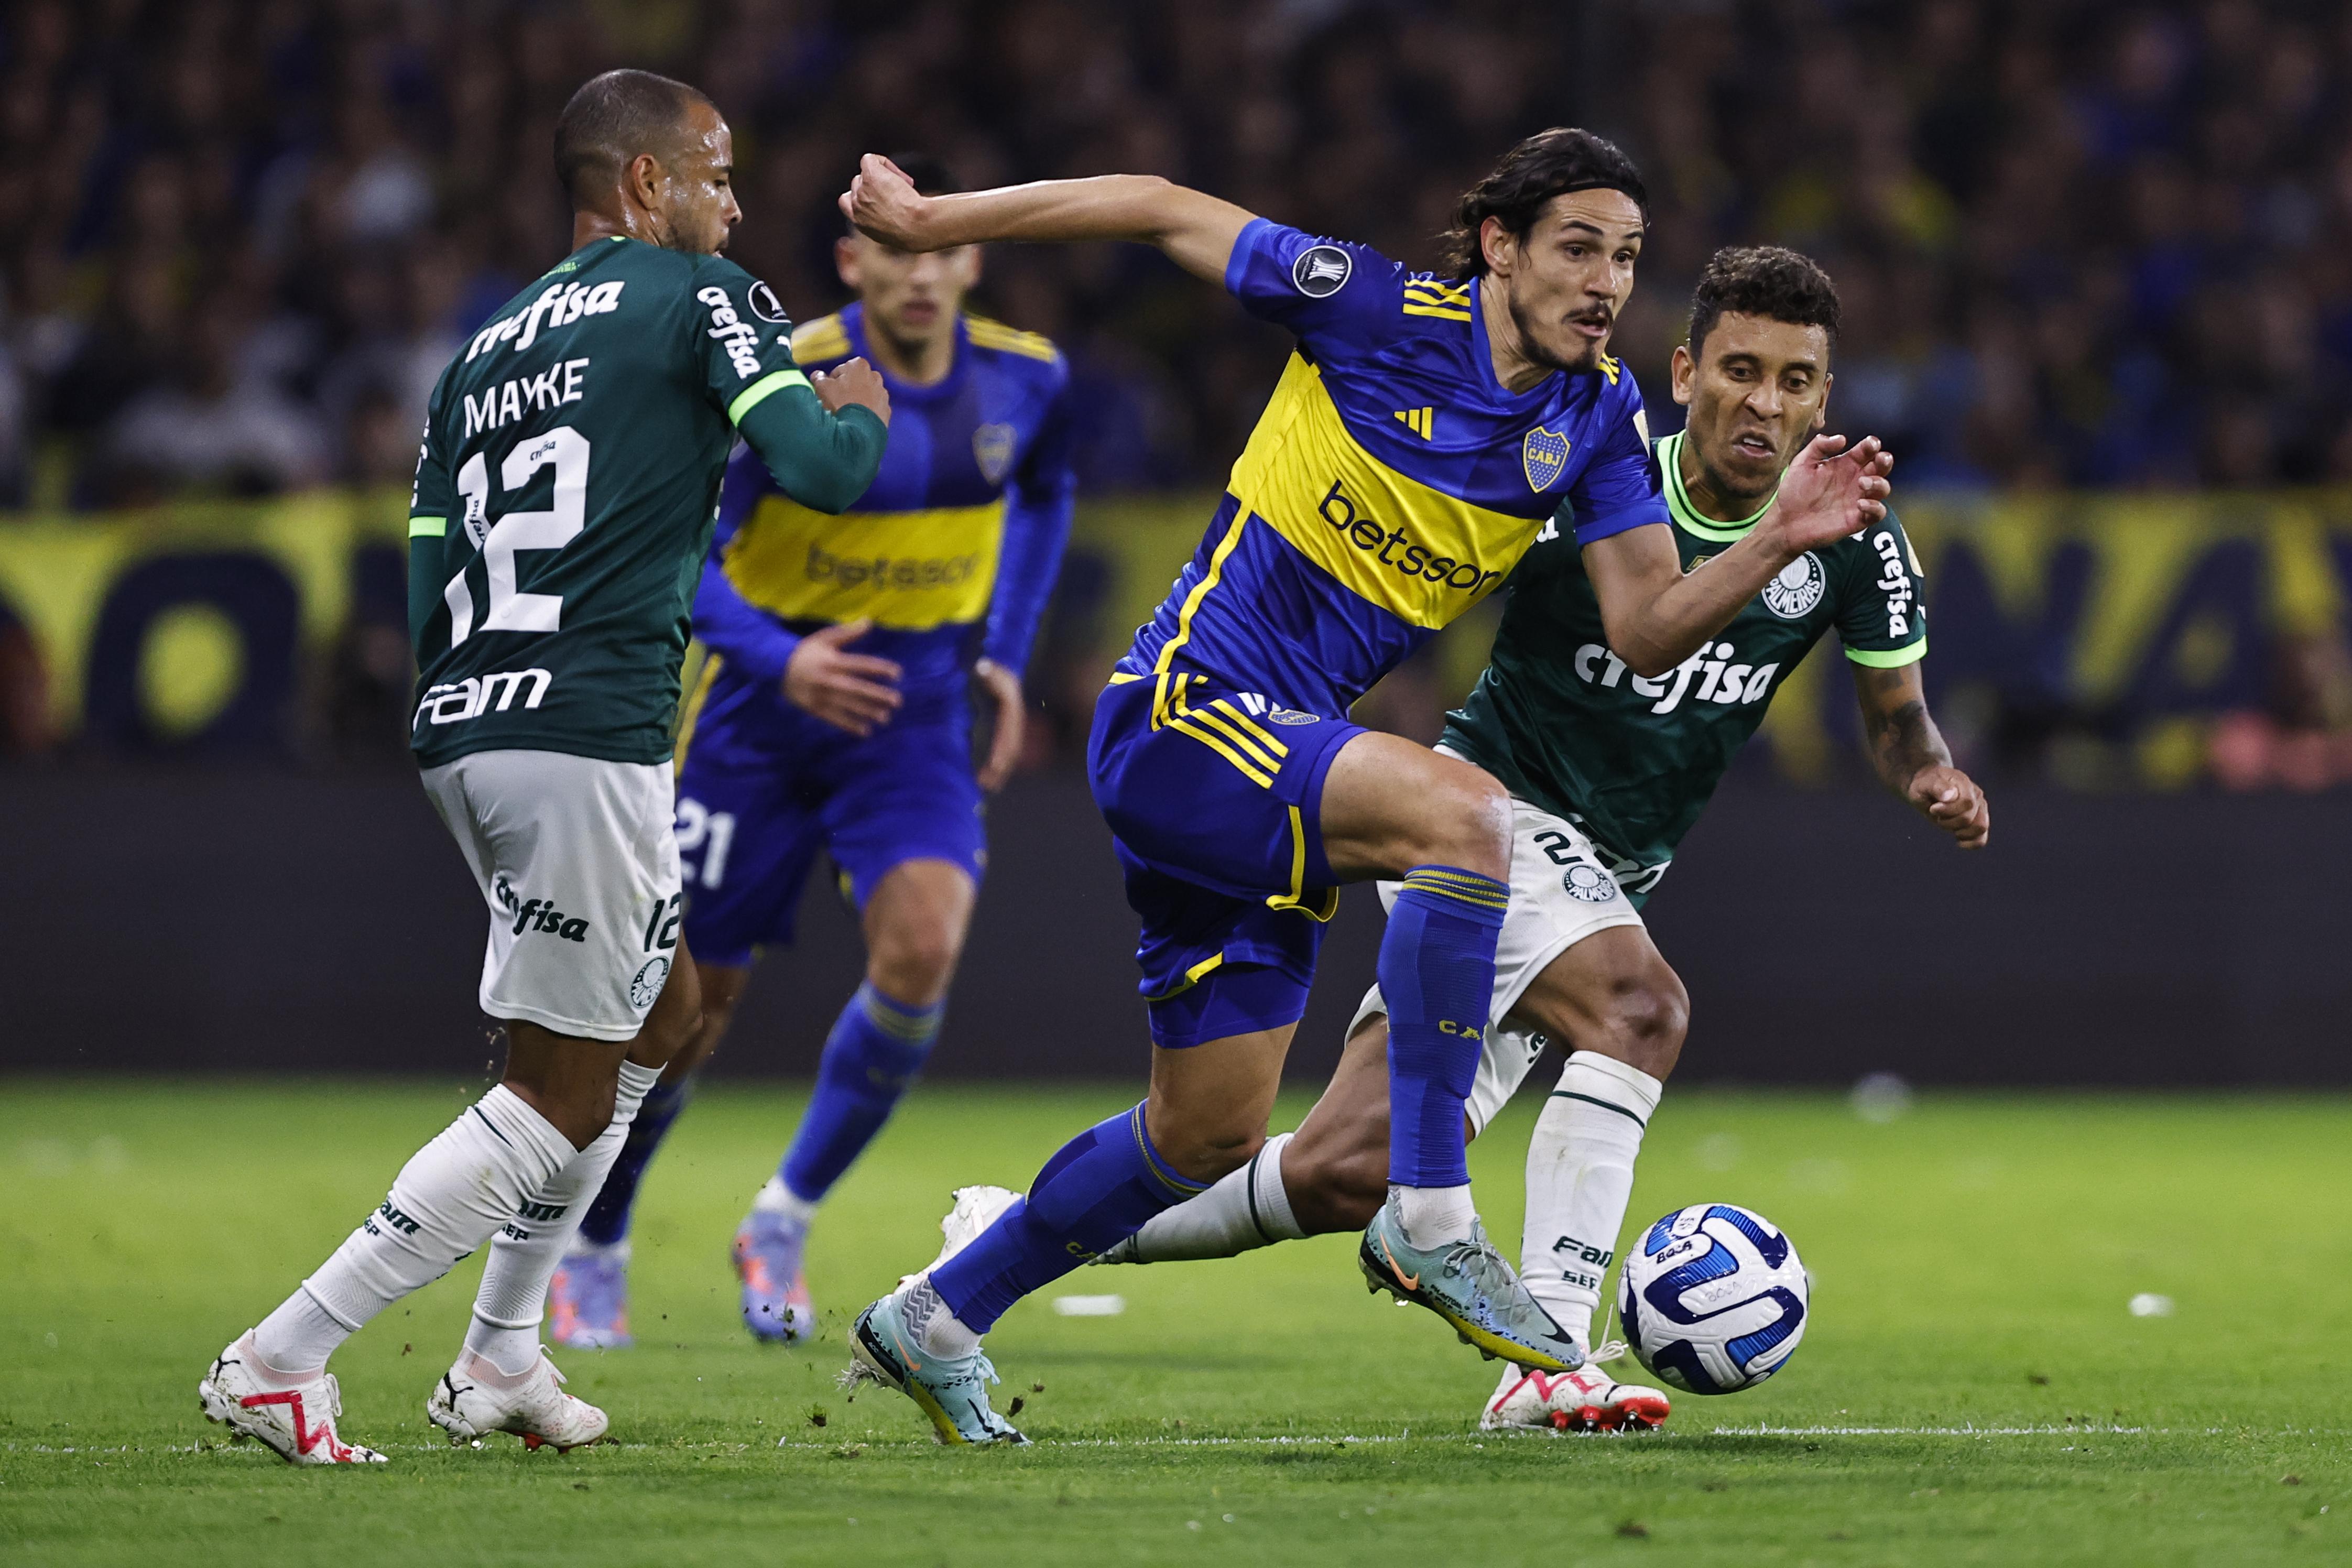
column 1767, row 280
column 1547, row 164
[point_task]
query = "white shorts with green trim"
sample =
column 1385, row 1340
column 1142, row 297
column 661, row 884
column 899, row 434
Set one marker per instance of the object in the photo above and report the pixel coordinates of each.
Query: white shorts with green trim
column 578, row 862
column 1561, row 892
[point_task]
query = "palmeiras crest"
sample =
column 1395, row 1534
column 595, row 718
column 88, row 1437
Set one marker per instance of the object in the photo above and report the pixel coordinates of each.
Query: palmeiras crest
column 992, row 449
column 1544, row 455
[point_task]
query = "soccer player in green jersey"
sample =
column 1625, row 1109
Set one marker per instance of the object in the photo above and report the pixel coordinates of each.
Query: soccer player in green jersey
column 563, row 502
column 1607, row 770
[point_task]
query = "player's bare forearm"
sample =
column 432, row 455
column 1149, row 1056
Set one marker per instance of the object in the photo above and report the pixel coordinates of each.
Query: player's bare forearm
column 1909, row 754
column 1902, row 736
column 1197, row 230
column 1658, row 614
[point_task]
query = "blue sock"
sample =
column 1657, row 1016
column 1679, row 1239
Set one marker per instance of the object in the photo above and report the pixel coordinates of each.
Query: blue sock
column 608, row 1220
column 1095, row 1192
column 1437, row 971
column 875, row 1050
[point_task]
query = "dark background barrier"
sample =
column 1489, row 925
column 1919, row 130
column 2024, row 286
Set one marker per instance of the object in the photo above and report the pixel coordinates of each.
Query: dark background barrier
column 265, row 921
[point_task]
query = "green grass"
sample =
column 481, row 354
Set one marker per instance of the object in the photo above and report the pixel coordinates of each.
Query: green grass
column 1971, row 1388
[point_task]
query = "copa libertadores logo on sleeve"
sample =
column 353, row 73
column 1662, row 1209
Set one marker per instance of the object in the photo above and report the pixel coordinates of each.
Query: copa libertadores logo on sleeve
column 765, row 303
column 1321, row 271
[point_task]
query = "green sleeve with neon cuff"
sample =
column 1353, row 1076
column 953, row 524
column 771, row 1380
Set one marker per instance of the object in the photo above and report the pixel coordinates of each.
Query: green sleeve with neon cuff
column 824, row 461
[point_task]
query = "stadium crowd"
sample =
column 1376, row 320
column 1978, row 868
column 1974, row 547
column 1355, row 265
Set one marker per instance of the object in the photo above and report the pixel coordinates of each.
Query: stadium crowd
column 2079, row 244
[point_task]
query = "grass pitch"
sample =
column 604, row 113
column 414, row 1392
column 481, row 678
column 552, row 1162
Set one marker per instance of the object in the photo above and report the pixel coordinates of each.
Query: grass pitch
column 1973, row 1387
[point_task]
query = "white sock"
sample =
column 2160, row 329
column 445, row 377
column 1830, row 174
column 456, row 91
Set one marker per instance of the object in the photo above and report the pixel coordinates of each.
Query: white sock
column 1246, row 1209
column 1432, row 1217
column 447, row 1201
column 301, row 1332
column 524, row 1255
column 1580, row 1178
column 936, row 1329
column 779, row 1199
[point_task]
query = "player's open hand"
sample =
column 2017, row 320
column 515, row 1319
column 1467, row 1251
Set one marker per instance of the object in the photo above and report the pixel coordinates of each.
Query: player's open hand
column 885, row 206
column 1953, row 801
column 1831, row 491
column 852, row 691
column 853, row 381
column 1003, row 689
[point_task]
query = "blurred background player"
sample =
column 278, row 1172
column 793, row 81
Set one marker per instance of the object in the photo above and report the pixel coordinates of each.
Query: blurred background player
column 835, row 715
column 1422, row 434
column 565, row 489
column 1607, row 770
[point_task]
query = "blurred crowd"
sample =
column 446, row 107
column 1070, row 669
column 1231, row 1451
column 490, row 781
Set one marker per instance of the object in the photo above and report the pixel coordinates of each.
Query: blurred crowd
column 2079, row 243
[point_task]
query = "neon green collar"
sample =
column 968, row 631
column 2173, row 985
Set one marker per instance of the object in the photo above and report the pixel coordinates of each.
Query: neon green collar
column 1678, row 501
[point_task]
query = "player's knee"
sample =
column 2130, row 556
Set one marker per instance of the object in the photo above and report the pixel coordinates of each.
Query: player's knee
column 912, row 956
column 1646, row 1017
column 1466, row 821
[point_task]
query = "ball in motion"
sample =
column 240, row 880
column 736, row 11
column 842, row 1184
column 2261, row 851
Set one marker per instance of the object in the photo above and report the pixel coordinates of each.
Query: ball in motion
column 1713, row 1299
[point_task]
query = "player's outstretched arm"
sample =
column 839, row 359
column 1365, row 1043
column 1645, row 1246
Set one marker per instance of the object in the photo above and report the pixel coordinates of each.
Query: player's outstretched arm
column 822, row 442
column 1910, row 755
column 1658, row 614
column 1197, row 230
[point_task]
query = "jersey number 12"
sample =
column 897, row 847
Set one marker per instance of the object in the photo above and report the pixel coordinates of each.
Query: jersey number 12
column 550, row 530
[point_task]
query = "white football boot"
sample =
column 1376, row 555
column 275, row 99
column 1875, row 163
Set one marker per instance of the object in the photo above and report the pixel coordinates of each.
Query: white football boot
column 475, row 1399
column 976, row 1208
column 295, row 1419
column 1585, row 1400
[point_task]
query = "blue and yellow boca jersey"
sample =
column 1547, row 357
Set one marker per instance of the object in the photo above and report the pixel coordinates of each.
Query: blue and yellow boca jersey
column 1390, row 484
column 963, row 529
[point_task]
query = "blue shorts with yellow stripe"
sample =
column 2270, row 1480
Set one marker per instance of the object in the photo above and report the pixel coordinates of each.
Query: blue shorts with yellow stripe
column 1215, row 799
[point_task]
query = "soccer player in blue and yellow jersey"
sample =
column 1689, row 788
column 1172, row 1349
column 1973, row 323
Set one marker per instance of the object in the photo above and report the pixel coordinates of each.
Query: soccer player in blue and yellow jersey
column 1426, row 428
column 835, row 715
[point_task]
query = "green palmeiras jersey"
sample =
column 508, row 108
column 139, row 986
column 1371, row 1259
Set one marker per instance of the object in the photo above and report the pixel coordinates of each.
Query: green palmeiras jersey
column 1564, row 724
column 565, row 498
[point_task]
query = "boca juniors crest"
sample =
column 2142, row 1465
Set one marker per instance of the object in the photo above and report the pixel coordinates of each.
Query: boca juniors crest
column 1544, row 455
column 992, row 449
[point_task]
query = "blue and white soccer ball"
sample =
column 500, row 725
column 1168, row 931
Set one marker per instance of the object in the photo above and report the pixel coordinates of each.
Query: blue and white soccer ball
column 1713, row 1299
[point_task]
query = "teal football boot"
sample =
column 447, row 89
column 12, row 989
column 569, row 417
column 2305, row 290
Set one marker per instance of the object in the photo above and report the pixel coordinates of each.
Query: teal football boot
column 952, row 1391
column 1466, row 1283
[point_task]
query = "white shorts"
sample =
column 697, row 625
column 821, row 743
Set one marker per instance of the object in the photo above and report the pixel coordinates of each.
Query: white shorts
column 1561, row 892
column 577, row 860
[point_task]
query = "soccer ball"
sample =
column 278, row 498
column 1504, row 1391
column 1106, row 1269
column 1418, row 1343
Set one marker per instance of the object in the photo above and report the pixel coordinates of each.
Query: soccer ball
column 1713, row 1299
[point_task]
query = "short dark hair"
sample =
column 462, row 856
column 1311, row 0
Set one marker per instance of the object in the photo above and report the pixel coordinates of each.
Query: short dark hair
column 611, row 119
column 1547, row 164
column 1767, row 280
column 929, row 176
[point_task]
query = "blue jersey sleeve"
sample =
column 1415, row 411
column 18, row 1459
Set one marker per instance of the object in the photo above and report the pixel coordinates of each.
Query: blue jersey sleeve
column 1039, row 498
column 731, row 627
column 1332, row 293
column 1618, row 487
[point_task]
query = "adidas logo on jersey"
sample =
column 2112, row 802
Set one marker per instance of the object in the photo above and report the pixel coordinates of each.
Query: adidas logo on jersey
column 559, row 306
column 1719, row 679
